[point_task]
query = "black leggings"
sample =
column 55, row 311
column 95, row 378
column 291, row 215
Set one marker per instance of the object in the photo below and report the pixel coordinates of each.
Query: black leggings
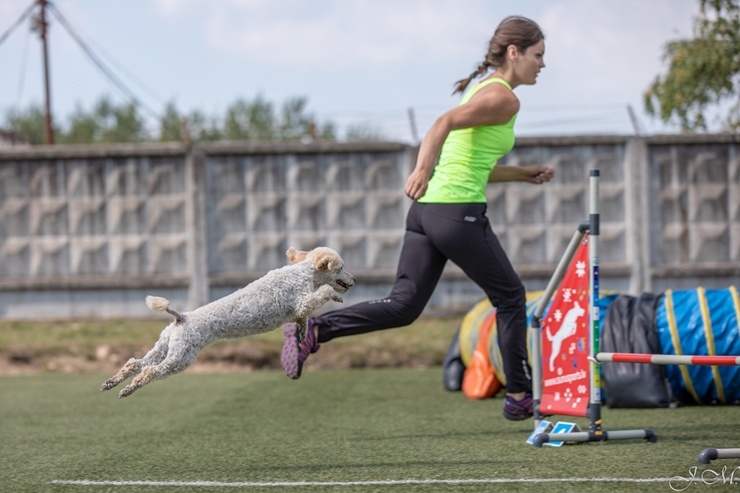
column 434, row 234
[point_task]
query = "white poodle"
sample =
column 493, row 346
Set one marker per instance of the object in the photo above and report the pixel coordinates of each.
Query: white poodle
column 288, row 294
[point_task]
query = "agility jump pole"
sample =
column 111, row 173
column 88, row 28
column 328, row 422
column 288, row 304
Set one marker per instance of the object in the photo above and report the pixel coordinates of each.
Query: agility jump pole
column 708, row 454
column 668, row 359
column 595, row 432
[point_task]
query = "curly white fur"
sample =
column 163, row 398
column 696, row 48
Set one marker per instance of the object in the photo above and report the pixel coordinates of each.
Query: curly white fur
column 288, row 294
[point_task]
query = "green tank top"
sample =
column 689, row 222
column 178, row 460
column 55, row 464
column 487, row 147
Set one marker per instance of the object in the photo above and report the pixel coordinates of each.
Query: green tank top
column 467, row 158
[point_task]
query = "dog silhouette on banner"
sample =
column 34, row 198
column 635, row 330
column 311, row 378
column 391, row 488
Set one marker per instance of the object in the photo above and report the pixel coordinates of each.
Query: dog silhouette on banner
column 567, row 329
column 565, row 377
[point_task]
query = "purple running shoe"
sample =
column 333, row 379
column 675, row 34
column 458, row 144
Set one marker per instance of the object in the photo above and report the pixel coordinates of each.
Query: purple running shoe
column 295, row 352
column 519, row 410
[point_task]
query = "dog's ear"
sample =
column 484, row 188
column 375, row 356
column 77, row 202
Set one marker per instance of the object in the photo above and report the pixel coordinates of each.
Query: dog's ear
column 326, row 260
column 295, row 256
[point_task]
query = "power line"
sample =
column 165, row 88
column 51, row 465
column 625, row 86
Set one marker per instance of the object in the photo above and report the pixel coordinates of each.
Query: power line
column 17, row 23
column 101, row 66
column 117, row 64
column 22, row 76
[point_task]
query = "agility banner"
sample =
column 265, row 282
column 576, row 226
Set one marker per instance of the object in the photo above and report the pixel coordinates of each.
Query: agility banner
column 565, row 364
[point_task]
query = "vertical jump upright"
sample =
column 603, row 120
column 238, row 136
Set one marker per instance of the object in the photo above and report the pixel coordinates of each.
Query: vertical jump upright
column 595, row 432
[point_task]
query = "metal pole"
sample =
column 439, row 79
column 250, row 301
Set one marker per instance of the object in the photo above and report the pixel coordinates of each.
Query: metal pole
column 412, row 123
column 633, row 119
column 668, row 359
column 594, row 412
column 42, row 31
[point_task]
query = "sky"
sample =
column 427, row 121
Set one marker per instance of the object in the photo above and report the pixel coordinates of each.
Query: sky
column 385, row 65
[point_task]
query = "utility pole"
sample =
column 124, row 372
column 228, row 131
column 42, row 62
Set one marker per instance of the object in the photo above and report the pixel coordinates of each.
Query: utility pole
column 412, row 122
column 634, row 120
column 42, row 27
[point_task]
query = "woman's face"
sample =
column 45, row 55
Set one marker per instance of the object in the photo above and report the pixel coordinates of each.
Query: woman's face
column 529, row 62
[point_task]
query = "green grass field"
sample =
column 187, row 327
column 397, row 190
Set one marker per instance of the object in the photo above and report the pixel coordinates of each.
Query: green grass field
column 379, row 430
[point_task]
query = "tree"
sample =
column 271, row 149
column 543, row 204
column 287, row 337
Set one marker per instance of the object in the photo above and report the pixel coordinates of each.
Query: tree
column 107, row 123
column 204, row 128
column 250, row 120
column 29, row 123
column 258, row 120
column 171, row 126
column 295, row 124
column 362, row 131
column 703, row 72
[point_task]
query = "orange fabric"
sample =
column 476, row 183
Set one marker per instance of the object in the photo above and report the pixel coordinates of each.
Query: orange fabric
column 479, row 380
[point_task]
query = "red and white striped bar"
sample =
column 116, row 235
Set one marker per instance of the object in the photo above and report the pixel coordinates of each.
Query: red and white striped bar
column 668, row 359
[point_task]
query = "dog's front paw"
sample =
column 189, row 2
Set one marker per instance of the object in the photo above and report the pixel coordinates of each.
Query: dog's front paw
column 337, row 298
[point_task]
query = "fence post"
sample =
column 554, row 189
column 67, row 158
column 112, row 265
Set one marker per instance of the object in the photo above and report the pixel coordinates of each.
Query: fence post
column 197, row 258
column 637, row 215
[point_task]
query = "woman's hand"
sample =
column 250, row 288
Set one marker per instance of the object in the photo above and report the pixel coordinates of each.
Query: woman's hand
column 416, row 185
column 538, row 174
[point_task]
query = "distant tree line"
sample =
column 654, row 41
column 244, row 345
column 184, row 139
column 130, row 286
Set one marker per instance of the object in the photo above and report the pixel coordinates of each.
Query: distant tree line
column 111, row 122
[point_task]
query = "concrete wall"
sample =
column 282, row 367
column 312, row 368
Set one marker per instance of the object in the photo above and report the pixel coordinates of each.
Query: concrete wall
column 89, row 231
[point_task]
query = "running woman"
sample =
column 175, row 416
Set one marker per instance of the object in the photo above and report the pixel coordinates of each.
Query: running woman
column 447, row 220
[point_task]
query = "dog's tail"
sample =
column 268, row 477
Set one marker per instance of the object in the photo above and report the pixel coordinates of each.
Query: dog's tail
column 159, row 304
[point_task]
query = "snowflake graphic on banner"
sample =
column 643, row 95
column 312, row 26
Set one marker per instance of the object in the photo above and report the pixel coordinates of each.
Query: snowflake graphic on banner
column 568, row 395
column 580, row 268
column 567, row 294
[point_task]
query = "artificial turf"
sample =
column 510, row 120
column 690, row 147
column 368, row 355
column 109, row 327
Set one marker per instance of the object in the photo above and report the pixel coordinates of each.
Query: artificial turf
column 333, row 430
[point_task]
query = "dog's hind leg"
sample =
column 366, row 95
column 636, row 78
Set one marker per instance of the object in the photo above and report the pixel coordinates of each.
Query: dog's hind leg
column 175, row 362
column 133, row 366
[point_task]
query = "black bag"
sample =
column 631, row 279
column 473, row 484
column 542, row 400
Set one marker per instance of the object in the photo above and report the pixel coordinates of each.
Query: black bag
column 629, row 327
column 453, row 368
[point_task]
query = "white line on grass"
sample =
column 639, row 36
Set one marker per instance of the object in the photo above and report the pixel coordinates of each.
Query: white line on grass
column 390, row 482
